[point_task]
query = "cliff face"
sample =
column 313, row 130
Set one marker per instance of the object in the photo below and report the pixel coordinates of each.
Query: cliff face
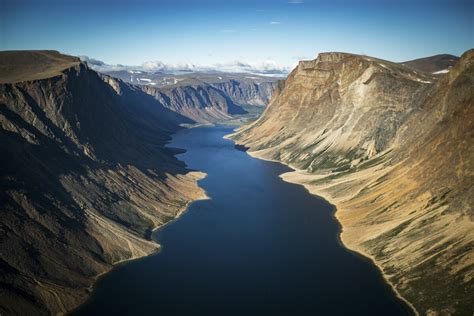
column 84, row 178
column 392, row 148
column 247, row 92
column 198, row 101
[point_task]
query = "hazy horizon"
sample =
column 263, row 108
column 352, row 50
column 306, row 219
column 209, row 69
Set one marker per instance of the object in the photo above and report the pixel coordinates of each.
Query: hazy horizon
column 265, row 36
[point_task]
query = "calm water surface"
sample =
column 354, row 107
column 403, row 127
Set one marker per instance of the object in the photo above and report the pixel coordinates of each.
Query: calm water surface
column 260, row 246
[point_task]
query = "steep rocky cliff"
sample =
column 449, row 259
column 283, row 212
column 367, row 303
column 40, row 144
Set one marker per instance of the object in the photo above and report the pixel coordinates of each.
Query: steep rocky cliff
column 392, row 148
column 84, row 175
column 196, row 100
column 248, row 91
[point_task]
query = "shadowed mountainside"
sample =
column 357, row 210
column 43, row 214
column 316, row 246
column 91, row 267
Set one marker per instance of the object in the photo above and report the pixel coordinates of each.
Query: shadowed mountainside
column 392, row 148
column 85, row 178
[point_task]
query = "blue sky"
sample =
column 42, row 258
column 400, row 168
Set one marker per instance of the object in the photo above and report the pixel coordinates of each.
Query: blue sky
column 210, row 32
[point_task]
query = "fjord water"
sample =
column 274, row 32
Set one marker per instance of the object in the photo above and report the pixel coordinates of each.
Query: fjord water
column 259, row 246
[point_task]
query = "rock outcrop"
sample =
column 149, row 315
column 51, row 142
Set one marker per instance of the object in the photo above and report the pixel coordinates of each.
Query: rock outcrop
column 392, row 148
column 84, row 175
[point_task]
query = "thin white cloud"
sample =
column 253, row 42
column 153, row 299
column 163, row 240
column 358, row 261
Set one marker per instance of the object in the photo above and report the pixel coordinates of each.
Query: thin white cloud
column 266, row 67
column 263, row 67
column 228, row 31
column 295, row 2
column 275, row 22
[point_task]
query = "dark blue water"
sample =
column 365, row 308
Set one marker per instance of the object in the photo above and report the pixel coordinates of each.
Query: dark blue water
column 260, row 246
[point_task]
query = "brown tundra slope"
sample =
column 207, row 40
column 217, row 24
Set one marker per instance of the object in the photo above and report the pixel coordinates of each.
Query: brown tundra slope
column 392, row 148
column 84, row 176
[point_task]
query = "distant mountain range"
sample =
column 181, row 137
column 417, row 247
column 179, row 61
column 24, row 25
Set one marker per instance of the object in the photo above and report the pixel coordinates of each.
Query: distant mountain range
column 203, row 97
column 160, row 79
column 392, row 146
